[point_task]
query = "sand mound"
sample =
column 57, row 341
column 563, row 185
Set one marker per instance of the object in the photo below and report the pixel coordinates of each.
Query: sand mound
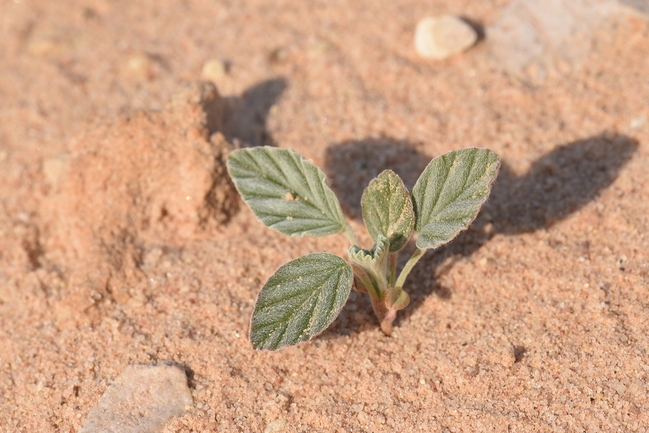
column 151, row 178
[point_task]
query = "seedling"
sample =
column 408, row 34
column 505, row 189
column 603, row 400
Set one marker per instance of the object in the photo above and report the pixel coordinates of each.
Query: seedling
column 291, row 195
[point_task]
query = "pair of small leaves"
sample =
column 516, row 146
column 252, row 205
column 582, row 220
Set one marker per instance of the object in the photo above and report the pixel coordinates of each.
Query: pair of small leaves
column 304, row 296
column 447, row 196
column 371, row 266
column 291, row 195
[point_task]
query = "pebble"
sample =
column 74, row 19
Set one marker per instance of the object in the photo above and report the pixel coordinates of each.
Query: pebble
column 140, row 400
column 53, row 42
column 214, row 70
column 443, row 36
column 41, row 47
column 54, row 169
column 139, row 66
column 277, row 426
column 636, row 122
column 278, row 56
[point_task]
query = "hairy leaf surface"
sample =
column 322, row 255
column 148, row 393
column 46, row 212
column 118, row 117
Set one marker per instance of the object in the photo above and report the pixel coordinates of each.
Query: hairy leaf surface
column 285, row 191
column 300, row 300
column 450, row 192
column 371, row 265
column 387, row 210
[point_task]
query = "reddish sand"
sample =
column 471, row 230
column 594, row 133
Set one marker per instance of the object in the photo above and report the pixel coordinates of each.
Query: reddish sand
column 122, row 241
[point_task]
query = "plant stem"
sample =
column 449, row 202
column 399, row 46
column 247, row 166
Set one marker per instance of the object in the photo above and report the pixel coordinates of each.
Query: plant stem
column 412, row 261
column 386, row 322
column 350, row 234
column 385, row 315
column 392, row 274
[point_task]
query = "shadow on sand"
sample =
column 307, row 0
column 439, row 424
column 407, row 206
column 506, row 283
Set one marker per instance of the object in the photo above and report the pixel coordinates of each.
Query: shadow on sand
column 557, row 185
column 246, row 115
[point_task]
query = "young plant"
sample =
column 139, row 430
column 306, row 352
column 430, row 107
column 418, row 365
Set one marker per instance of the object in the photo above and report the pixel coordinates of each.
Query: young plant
column 291, row 195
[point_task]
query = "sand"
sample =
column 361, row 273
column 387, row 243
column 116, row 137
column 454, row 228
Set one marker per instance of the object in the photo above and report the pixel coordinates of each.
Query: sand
column 122, row 242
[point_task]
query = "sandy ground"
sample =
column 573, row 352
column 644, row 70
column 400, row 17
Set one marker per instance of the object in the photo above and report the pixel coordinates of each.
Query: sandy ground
column 534, row 320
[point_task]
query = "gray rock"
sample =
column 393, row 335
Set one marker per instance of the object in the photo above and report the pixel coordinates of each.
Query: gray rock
column 443, row 36
column 141, row 400
column 640, row 6
column 534, row 39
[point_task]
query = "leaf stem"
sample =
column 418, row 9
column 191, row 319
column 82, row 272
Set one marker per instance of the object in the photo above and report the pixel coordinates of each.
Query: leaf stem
column 350, row 234
column 412, row 261
column 392, row 275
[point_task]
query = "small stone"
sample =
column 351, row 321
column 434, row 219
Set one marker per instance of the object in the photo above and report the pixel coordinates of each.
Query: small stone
column 214, row 70
column 617, row 386
column 54, row 168
column 277, row 426
column 637, row 122
column 443, row 36
column 139, row 66
column 141, row 400
column 121, row 295
column 70, row 311
column 278, row 56
column 41, row 47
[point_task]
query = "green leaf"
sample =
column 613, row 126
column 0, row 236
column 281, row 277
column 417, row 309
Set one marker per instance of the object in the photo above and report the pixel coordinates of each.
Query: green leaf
column 450, row 192
column 387, row 210
column 285, row 191
column 300, row 300
column 370, row 266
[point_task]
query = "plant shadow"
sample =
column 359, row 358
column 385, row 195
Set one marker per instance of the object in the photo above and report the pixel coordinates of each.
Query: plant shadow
column 351, row 165
column 246, row 115
column 556, row 185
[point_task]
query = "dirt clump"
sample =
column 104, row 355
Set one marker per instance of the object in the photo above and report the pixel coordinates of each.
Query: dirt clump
column 150, row 178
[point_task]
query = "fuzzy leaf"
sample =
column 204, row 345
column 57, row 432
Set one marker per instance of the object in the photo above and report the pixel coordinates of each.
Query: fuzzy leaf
column 377, row 256
column 300, row 300
column 370, row 266
column 387, row 210
column 285, row 191
column 450, row 192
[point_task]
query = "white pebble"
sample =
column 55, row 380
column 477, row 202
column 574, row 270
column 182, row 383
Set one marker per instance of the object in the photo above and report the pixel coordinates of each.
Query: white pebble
column 443, row 36
column 139, row 66
column 54, row 168
column 214, row 70
column 276, row 426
